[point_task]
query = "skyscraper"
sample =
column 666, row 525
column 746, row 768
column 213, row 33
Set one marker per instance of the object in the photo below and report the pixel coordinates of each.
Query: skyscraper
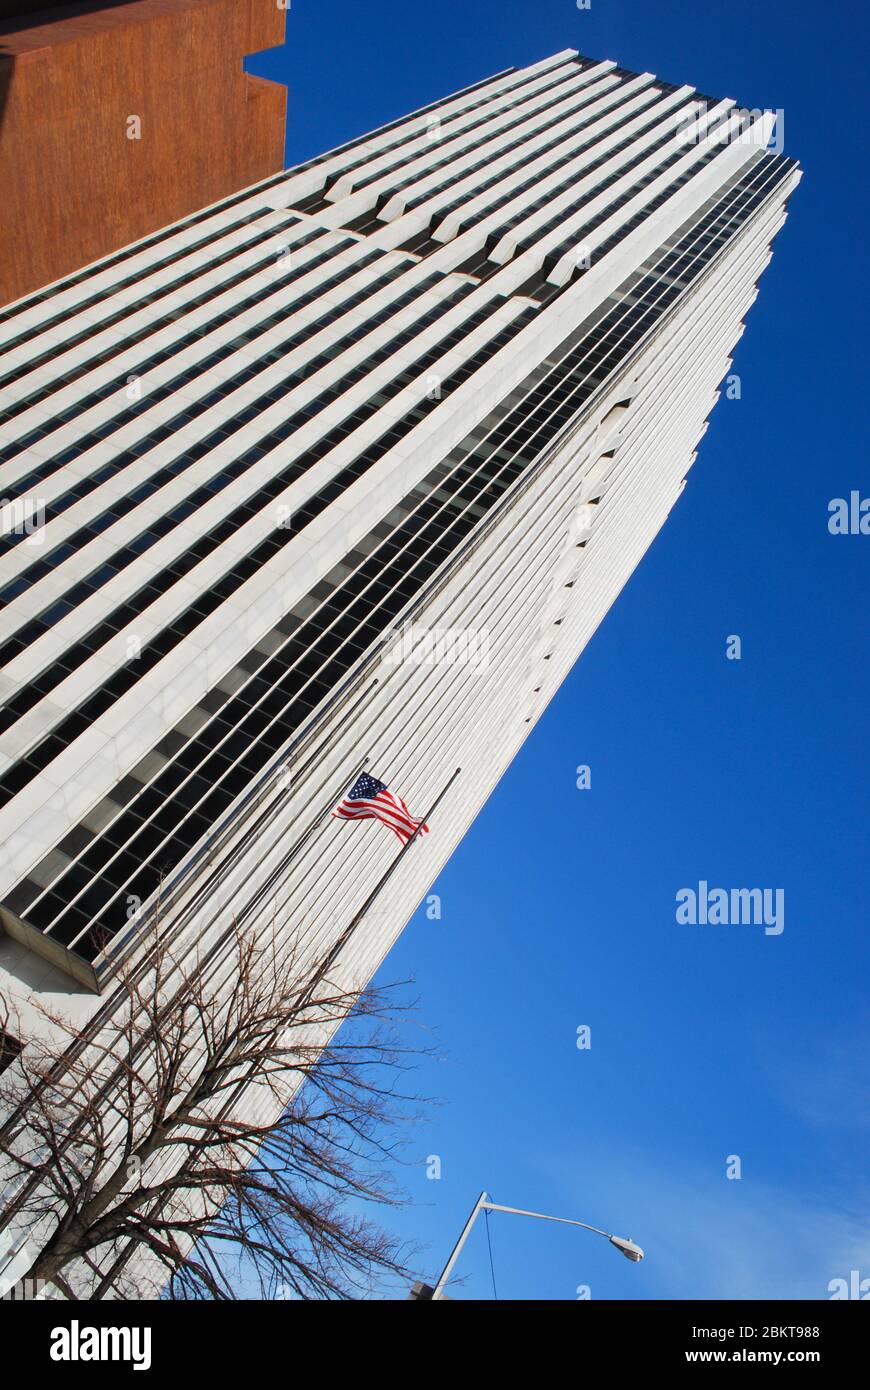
column 340, row 475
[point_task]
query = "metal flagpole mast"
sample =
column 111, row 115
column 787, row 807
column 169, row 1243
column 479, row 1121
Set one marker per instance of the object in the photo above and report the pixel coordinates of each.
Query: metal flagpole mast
column 333, row 953
column 381, row 883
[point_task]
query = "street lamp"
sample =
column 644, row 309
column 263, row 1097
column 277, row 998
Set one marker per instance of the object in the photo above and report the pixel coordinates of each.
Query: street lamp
column 626, row 1247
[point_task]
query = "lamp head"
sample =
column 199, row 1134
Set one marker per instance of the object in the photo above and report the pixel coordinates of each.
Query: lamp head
column 628, row 1248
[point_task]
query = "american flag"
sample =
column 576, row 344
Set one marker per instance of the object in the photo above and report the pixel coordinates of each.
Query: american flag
column 369, row 799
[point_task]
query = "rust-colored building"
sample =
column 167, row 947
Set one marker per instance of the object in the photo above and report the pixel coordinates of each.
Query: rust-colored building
column 116, row 119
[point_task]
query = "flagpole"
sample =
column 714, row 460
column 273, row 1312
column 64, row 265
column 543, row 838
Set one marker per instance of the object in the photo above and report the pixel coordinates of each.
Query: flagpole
column 317, row 978
column 380, row 885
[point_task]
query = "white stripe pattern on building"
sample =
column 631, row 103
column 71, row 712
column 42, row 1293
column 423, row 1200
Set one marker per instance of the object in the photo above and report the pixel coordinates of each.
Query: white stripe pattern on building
column 451, row 375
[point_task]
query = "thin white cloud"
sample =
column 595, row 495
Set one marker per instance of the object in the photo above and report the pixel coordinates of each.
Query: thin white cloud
column 710, row 1237
column 827, row 1081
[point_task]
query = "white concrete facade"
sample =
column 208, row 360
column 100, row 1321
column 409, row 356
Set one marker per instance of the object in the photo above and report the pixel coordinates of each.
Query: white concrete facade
column 566, row 254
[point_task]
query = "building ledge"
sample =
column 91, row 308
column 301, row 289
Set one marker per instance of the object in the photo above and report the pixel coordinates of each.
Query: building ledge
column 66, row 961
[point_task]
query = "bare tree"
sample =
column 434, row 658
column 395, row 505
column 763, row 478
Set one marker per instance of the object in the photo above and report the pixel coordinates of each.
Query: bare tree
column 159, row 1138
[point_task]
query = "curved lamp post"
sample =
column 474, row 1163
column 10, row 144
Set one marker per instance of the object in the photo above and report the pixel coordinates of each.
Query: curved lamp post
column 626, row 1247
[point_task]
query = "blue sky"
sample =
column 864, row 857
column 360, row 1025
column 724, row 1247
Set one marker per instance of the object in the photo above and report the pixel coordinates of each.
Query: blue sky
column 706, row 1041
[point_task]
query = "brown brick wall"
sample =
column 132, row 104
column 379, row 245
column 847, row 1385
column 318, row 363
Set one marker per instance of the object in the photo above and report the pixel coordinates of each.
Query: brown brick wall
column 74, row 186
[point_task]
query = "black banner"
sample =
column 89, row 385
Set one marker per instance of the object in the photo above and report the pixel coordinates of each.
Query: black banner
column 64, row 1339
